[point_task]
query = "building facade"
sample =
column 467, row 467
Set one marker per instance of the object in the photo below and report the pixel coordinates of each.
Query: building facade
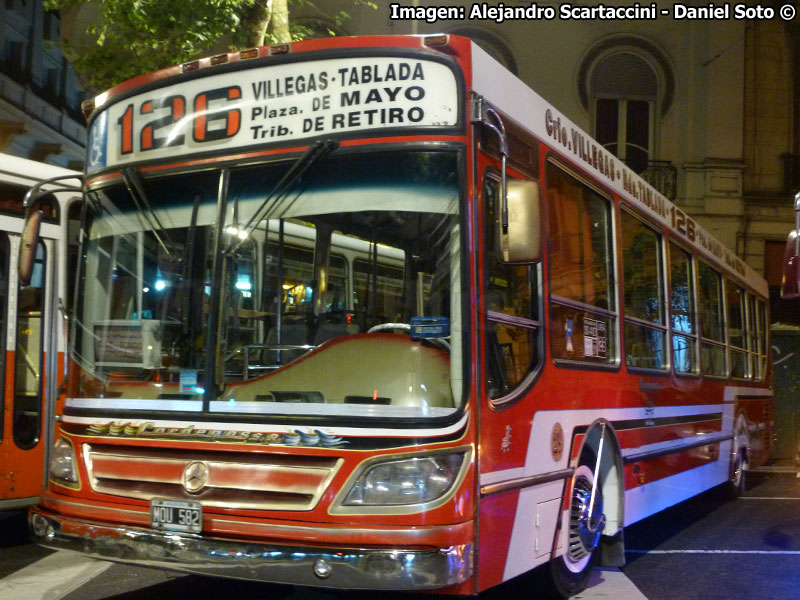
column 40, row 96
column 705, row 109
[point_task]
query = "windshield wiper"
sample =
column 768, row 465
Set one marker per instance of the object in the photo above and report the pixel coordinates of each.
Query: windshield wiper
column 313, row 153
column 133, row 181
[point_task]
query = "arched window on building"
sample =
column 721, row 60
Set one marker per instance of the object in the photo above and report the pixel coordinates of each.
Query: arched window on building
column 626, row 84
column 623, row 92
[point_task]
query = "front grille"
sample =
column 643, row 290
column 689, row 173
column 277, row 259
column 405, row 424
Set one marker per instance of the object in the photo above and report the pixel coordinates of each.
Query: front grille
column 235, row 480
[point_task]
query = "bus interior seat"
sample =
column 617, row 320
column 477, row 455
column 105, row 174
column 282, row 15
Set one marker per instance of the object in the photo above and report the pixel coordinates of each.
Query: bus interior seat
column 331, row 325
column 294, row 332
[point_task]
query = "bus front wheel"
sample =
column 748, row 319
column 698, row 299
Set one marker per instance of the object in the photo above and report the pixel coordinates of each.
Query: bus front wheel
column 570, row 572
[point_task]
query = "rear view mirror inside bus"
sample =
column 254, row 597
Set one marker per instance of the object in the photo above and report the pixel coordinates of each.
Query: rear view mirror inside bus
column 27, row 247
column 790, row 285
column 522, row 242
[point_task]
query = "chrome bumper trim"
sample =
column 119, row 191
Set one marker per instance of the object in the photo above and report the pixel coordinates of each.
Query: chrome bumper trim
column 342, row 568
column 18, row 503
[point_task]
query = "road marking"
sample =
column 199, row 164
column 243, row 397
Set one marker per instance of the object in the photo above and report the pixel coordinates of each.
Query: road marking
column 768, row 552
column 610, row 584
column 52, row 577
column 768, row 498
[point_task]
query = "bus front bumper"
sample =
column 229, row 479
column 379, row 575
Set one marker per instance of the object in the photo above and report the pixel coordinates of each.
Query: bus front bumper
column 344, row 568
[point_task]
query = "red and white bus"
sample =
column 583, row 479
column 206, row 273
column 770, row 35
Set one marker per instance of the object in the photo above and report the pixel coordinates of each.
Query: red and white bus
column 370, row 313
column 32, row 325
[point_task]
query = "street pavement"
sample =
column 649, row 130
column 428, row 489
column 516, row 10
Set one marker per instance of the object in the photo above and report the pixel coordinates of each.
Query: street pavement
column 708, row 548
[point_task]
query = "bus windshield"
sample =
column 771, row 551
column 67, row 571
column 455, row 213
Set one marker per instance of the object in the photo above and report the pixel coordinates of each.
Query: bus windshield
column 337, row 296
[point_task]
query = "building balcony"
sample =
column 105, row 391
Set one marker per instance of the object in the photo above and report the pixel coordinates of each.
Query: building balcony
column 663, row 176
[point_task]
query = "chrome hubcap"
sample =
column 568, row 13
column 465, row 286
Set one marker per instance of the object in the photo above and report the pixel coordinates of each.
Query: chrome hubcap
column 584, row 528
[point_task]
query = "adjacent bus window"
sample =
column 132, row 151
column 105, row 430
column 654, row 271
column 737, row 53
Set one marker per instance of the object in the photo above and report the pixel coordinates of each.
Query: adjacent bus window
column 295, row 290
column 335, row 299
column 684, row 329
column 378, row 291
column 712, row 348
column 294, row 287
column 28, row 356
column 242, row 322
column 512, row 319
column 582, row 307
column 645, row 327
column 737, row 338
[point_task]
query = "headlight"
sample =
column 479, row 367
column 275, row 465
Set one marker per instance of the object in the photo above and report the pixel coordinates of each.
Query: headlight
column 406, row 481
column 62, row 462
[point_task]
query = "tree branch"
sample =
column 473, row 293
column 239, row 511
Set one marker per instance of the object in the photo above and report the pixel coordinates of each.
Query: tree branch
column 279, row 23
column 255, row 21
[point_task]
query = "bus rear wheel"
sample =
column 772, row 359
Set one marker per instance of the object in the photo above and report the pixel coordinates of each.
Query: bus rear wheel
column 570, row 572
column 735, row 486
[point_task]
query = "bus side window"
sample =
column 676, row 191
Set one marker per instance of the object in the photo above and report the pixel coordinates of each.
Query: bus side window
column 583, row 312
column 28, row 356
column 645, row 329
column 737, row 335
column 712, row 325
column 512, row 322
column 683, row 319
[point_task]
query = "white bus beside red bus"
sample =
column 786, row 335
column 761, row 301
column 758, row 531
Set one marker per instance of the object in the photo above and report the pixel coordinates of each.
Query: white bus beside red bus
column 32, row 325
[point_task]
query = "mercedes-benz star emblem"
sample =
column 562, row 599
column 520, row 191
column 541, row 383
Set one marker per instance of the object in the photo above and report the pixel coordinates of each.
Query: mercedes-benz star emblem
column 195, row 477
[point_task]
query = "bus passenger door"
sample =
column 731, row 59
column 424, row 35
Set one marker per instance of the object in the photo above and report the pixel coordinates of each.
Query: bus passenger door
column 27, row 336
column 513, row 355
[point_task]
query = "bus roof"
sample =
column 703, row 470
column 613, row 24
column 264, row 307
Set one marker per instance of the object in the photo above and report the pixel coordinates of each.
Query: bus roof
column 23, row 171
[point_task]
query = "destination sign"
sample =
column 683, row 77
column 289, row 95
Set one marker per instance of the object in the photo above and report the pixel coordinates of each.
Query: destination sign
column 274, row 104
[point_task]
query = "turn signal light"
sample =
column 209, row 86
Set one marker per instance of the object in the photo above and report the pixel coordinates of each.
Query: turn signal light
column 279, row 49
column 436, row 40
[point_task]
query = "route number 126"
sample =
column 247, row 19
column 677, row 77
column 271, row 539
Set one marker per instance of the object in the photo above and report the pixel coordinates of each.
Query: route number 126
column 208, row 124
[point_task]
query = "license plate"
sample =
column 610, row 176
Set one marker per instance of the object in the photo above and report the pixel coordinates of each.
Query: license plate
column 176, row 515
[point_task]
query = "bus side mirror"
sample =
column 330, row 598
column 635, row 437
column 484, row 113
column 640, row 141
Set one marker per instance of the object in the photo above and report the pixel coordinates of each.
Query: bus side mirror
column 790, row 285
column 522, row 241
column 27, row 246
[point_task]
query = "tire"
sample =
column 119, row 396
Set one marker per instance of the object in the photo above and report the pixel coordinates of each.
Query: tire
column 569, row 573
column 736, row 484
